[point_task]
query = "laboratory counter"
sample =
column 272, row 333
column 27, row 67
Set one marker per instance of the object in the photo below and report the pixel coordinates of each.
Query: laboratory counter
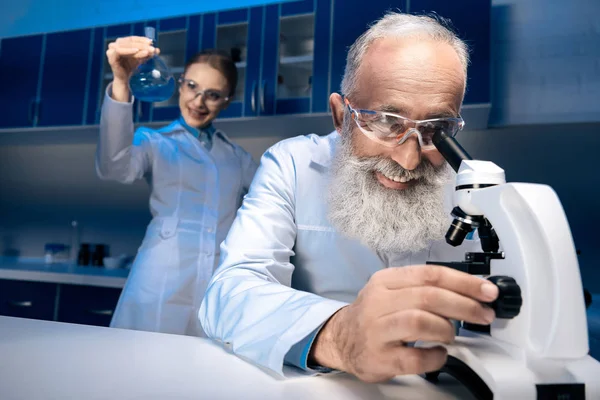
column 62, row 273
column 53, row 360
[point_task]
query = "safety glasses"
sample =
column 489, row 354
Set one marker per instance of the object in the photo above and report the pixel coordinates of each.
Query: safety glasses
column 210, row 96
column 392, row 130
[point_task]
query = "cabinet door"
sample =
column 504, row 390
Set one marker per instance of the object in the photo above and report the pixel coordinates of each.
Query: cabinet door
column 239, row 33
column 101, row 75
column 270, row 61
column 228, row 31
column 24, row 299
column 471, row 20
column 87, row 305
column 174, row 36
column 142, row 109
column 98, row 55
column 255, row 48
column 350, row 19
column 322, row 57
column 295, row 58
column 65, row 78
column 20, row 60
column 295, row 62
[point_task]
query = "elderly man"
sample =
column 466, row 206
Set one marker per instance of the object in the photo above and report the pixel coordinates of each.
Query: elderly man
column 323, row 267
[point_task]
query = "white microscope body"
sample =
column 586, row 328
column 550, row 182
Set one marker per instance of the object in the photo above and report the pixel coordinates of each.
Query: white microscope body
column 537, row 348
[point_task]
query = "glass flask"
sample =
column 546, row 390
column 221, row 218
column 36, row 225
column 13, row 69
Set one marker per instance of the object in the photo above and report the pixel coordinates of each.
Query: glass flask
column 152, row 81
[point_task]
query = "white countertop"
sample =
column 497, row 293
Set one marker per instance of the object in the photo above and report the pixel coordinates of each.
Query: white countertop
column 51, row 360
column 38, row 271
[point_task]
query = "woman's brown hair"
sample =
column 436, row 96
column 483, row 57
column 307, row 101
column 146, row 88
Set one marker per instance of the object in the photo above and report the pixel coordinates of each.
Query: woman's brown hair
column 219, row 60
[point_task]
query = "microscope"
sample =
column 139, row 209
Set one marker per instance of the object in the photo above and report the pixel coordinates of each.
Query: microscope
column 537, row 348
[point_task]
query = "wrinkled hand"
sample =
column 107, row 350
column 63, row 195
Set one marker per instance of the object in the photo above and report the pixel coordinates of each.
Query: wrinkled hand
column 124, row 56
column 399, row 305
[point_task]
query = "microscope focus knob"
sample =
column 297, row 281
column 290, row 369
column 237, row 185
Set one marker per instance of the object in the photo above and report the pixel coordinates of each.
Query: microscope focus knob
column 509, row 301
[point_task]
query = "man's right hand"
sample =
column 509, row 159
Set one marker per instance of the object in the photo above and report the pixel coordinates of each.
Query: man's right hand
column 400, row 305
column 124, row 56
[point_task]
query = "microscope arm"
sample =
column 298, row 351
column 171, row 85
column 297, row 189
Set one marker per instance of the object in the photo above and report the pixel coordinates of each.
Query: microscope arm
column 539, row 253
column 541, row 346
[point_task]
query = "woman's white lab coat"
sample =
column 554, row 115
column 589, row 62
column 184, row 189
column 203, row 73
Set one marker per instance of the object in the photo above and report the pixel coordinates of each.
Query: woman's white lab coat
column 195, row 193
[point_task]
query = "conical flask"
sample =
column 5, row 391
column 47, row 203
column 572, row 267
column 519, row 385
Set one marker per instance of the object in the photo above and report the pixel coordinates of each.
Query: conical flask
column 152, row 81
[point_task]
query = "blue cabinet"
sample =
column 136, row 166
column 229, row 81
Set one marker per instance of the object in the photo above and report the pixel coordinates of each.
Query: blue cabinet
column 350, row 19
column 295, row 59
column 322, row 57
column 87, row 305
column 78, row 304
column 282, row 47
column 22, row 299
column 254, row 61
column 44, row 79
column 239, row 33
column 178, row 39
column 290, row 57
column 293, row 43
column 64, row 80
column 99, row 71
column 471, row 20
column 20, row 62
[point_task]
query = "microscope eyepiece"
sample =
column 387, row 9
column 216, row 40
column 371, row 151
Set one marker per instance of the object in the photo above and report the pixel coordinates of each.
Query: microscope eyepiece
column 450, row 149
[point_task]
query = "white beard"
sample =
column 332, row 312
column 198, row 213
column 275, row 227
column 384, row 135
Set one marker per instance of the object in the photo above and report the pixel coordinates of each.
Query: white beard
column 386, row 220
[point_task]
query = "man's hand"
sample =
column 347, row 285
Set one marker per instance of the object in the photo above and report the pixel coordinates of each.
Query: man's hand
column 399, row 305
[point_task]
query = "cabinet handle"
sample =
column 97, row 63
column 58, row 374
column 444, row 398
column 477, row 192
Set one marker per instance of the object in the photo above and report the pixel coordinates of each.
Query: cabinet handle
column 262, row 96
column 25, row 303
column 253, row 98
column 101, row 312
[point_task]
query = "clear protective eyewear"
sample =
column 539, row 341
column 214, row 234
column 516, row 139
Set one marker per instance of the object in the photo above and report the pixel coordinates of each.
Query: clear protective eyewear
column 210, row 96
column 392, row 130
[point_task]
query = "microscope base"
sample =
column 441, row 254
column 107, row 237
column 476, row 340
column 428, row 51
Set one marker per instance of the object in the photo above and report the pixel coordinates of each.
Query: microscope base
column 491, row 369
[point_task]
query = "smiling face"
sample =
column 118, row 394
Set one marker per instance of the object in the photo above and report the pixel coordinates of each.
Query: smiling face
column 199, row 111
column 391, row 198
column 415, row 78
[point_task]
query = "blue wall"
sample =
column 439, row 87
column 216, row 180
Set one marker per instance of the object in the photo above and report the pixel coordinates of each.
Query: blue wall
column 27, row 17
column 545, row 61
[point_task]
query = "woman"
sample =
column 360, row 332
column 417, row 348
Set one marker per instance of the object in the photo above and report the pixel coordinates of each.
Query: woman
column 197, row 176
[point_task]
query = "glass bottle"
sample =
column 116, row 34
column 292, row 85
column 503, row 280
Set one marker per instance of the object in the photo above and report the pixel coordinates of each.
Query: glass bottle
column 152, row 80
column 74, row 245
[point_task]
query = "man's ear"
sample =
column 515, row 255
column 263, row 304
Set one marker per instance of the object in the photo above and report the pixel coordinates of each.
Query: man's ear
column 336, row 103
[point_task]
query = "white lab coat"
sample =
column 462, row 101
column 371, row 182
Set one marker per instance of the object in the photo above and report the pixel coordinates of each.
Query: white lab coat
column 284, row 270
column 195, row 194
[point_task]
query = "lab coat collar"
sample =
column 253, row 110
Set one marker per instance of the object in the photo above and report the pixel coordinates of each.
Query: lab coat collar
column 325, row 156
column 223, row 136
column 209, row 130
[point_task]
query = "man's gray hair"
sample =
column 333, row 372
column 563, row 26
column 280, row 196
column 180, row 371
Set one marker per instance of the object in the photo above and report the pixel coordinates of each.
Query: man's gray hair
column 395, row 24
